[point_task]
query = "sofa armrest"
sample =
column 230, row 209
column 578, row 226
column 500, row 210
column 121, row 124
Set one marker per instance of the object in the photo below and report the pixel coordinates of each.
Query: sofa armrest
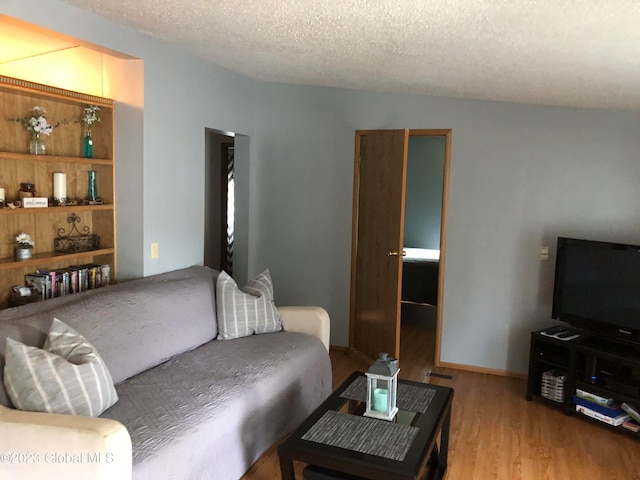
column 45, row 445
column 311, row 320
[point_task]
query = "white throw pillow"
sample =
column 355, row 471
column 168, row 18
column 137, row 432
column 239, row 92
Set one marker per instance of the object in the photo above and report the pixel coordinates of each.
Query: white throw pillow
column 243, row 313
column 66, row 376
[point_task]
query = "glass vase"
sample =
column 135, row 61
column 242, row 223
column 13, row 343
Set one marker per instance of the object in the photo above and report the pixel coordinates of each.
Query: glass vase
column 88, row 145
column 36, row 145
column 92, row 194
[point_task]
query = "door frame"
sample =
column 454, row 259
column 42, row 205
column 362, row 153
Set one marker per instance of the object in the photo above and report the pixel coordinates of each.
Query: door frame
column 447, row 133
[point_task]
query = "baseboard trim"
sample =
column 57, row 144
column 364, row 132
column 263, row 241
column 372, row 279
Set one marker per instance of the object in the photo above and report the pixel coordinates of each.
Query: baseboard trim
column 455, row 366
column 476, row 369
column 338, row 348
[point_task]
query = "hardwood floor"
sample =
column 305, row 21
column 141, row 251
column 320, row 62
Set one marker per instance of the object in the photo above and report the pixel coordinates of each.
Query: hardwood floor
column 495, row 432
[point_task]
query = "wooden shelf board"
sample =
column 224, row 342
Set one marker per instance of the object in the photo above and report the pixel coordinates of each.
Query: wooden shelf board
column 66, row 209
column 53, row 158
column 39, row 258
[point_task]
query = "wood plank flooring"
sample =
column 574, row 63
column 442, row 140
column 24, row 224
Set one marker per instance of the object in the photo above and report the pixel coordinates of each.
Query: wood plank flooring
column 495, row 432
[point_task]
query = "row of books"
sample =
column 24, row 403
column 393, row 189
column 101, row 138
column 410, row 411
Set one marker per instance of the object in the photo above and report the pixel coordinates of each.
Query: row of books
column 607, row 410
column 65, row 281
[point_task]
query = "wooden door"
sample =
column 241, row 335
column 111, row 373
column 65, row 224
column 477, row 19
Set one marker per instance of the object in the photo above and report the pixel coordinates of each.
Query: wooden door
column 378, row 231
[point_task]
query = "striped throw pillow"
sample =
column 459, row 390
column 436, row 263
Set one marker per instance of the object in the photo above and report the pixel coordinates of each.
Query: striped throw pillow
column 243, row 313
column 66, row 376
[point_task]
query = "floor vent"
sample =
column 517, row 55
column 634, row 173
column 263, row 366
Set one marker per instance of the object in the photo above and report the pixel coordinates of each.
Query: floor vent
column 440, row 375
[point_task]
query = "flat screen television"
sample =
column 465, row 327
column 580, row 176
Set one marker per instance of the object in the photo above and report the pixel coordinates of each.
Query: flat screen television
column 597, row 287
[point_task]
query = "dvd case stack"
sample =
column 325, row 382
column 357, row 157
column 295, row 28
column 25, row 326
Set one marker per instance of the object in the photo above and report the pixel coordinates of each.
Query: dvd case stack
column 553, row 383
column 66, row 281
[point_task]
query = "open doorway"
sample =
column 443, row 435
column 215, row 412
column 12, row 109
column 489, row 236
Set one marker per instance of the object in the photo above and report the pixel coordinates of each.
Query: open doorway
column 219, row 225
column 424, row 196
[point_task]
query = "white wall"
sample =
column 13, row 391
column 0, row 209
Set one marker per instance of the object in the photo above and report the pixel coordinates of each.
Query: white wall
column 520, row 176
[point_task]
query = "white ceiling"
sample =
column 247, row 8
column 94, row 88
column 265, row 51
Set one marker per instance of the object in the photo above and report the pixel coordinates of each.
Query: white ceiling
column 583, row 53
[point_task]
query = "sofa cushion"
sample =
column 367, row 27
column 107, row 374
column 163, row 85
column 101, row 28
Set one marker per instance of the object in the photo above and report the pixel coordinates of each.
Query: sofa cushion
column 243, row 313
column 211, row 412
column 67, row 376
column 134, row 325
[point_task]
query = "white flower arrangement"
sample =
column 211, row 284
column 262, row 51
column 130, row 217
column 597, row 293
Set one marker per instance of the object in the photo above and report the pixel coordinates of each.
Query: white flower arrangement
column 24, row 241
column 91, row 116
column 37, row 123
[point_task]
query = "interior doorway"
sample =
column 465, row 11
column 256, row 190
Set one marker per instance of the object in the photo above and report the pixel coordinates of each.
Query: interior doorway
column 421, row 267
column 396, row 271
column 219, row 225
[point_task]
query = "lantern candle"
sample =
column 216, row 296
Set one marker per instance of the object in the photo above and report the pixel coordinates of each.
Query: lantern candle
column 2, row 195
column 60, row 187
column 380, row 396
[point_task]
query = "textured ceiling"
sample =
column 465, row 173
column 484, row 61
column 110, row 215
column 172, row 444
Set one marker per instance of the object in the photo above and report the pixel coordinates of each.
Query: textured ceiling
column 583, row 53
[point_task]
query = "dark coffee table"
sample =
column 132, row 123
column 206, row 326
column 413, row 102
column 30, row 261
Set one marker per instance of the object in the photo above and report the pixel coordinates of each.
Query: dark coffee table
column 338, row 437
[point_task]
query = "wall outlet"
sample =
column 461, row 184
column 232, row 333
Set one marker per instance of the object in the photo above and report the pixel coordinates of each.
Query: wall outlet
column 154, row 250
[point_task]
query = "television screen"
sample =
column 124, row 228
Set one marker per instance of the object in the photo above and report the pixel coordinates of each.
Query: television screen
column 597, row 287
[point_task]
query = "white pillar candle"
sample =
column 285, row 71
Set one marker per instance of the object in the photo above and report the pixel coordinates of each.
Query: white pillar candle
column 1, row 194
column 60, row 185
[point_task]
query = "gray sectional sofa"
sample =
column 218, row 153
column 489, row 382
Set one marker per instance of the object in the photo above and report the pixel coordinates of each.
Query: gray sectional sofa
column 190, row 406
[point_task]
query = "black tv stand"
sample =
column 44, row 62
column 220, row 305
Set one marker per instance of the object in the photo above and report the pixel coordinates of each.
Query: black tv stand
column 601, row 366
column 612, row 346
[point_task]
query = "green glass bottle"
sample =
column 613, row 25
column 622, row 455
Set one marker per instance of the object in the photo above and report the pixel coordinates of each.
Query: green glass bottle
column 88, row 145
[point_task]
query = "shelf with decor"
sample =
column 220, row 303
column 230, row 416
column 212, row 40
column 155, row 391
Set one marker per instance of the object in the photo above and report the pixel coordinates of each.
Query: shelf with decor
column 72, row 178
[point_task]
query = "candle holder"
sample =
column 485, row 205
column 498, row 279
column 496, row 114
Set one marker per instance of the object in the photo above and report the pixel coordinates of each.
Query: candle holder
column 27, row 190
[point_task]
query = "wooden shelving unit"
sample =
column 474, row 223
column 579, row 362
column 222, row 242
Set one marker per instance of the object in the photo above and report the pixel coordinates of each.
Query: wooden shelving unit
column 64, row 154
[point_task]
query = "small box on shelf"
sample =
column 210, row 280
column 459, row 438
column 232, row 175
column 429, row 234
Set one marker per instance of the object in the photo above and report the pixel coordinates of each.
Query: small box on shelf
column 22, row 295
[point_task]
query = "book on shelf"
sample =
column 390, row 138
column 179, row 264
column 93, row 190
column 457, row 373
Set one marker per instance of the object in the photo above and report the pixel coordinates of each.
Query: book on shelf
column 93, row 275
column 52, row 279
column 632, row 410
column 629, row 425
column 60, row 281
column 62, row 277
column 613, row 410
column 592, row 397
column 614, row 421
column 80, row 278
column 105, row 275
column 74, row 286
